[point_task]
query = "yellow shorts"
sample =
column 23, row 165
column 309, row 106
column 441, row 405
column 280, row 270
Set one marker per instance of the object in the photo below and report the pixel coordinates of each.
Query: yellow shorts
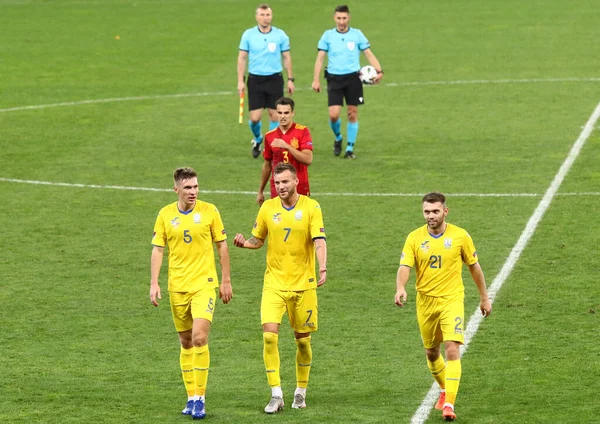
column 301, row 306
column 186, row 307
column 440, row 319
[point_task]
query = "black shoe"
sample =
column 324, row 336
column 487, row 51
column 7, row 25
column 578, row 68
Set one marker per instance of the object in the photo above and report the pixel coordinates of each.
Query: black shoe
column 349, row 155
column 255, row 149
column 337, row 148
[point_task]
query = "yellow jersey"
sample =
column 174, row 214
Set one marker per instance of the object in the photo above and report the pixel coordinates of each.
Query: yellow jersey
column 290, row 235
column 189, row 237
column 438, row 260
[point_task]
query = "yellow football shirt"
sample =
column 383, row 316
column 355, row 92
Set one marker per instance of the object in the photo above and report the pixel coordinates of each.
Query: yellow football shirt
column 289, row 234
column 189, row 237
column 438, row 259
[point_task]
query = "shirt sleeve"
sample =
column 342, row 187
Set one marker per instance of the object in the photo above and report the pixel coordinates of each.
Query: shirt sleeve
column 317, row 229
column 323, row 43
column 408, row 253
column 244, row 43
column 469, row 254
column 260, row 230
column 285, row 42
column 159, row 237
column 306, row 140
column 267, row 151
column 363, row 43
column 217, row 228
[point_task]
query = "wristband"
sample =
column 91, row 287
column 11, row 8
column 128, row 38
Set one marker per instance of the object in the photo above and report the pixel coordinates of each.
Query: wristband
column 292, row 79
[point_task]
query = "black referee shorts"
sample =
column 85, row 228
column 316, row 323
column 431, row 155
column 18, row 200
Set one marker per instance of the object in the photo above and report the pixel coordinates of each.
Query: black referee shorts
column 340, row 87
column 263, row 91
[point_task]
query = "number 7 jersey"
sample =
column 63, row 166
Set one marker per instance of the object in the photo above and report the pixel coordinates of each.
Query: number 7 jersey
column 290, row 235
column 438, row 260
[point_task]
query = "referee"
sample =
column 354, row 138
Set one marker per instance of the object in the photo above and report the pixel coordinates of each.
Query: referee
column 343, row 45
column 263, row 46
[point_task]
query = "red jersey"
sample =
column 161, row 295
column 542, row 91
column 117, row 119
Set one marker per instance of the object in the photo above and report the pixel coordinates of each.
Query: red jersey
column 298, row 136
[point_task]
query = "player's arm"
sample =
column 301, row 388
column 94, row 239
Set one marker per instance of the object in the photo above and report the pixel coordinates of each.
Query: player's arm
column 316, row 84
column 251, row 243
column 265, row 174
column 225, row 290
column 156, row 260
column 401, row 280
column 484, row 302
column 303, row 156
column 287, row 64
column 321, row 253
column 375, row 64
column 241, row 69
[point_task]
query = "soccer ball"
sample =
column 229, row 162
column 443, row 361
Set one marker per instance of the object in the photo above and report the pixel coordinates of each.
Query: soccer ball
column 367, row 74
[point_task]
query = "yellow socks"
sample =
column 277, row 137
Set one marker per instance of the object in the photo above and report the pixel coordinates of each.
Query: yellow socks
column 438, row 371
column 201, row 364
column 271, row 357
column 303, row 361
column 453, row 372
column 186, row 361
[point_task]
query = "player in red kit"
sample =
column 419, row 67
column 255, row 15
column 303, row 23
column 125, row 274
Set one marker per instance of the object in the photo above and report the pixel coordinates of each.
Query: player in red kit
column 288, row 143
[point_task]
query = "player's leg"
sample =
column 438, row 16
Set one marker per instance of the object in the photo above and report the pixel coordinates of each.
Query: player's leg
column 304, row 316
column 182, row 318
column 203, row 305
column 335, row 101
column 274, row 91
column 431, row 334
column 256, row 104
column 452, row 321
column 272, row 308
column 354, row 97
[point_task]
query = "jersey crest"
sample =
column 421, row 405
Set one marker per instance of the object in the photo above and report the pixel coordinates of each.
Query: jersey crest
column 351, row 45
column 294, row 143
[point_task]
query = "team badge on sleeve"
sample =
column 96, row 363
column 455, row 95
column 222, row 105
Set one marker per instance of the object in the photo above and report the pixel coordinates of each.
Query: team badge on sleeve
column 223, row 231
column 322, row 230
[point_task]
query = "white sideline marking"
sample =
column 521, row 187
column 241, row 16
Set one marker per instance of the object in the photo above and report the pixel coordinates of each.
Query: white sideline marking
column 348, row 194
column 426, row 406
column 228, row 93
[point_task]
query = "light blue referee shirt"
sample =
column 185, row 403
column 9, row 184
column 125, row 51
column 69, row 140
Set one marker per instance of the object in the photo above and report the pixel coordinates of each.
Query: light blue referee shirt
column 264, row 50
column 343, row 50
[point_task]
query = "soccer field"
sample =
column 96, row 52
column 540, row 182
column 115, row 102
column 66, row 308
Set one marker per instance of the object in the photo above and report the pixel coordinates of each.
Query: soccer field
column 101, row 100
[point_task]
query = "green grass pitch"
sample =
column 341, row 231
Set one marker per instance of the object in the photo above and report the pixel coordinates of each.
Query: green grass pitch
column 478, row 98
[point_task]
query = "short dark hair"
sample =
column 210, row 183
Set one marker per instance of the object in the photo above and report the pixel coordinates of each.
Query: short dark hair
column 184, row 173
column 342, row 8
column 285, row 101
column 263, row 6
column 434, row 197
column 282, row 167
